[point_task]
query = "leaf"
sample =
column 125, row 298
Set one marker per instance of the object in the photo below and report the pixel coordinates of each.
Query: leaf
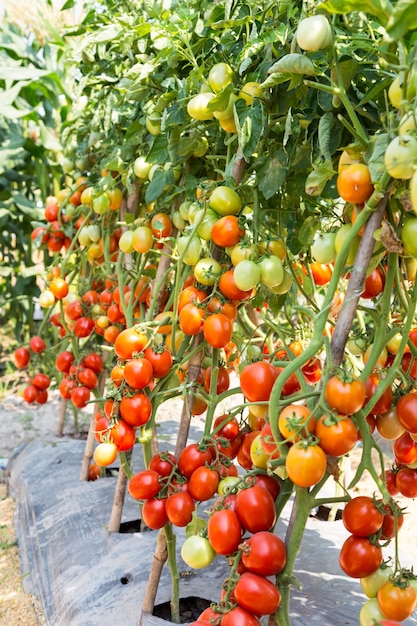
column 325, row 128
column 221, row 101
column 307, row 231
column 273, row 173
column 22, row 73
column 49, row 139
column 160, row 180
column 159, row 150
column 318, row 178
column 250, row 126
column 402, row 19
column 374, row 156
column 389, row 239
column 382, row 9
column 293, row 63
column 11, row 113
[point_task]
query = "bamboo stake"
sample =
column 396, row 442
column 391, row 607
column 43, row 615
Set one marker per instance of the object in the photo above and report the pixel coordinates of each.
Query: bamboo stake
column 61, row 418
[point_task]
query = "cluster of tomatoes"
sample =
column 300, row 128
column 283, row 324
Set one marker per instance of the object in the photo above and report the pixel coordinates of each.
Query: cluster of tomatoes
column 37, row 388
column 79, row 379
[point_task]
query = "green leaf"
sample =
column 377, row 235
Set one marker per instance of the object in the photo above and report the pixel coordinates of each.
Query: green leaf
column 250, row 126
column 307, row 231
column 325, row 128
column 197, row 526
column 382, row 9
column 403, row 19
column 160, row 180
column 49, row 139
column 159, row 150
column 293, row 63
column 272, row 174
column 374, row 156
column 318, row 178
column 220, row 102
column 22, row 73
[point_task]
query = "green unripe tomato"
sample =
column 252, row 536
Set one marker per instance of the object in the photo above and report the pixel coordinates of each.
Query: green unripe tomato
column 247, row 275
column 197, row 106
column 341, row 235
column 201, row 150
column 272, row 271
column 413, row 192
column 207, row 271
column 409, row 237
column 184, row 208
column 93, row 231
column 205, row 226
column 84, row 237
column 141, row 167
column 178, row 221
column 125, row 242
column 197, row 552
column 323, row 249
column 220, row 76
column 190, row 247
column 400, row 157
column 370, row 613
column 372, row 583
column 153, row 124
column 101, row 204
column 285, row 285
column 395, row 92
column 227, row 484
column 314, row 33
column 407, row 123
column 225, row 201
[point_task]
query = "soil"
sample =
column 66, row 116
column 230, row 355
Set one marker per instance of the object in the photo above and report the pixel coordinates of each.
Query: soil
column 21, row 423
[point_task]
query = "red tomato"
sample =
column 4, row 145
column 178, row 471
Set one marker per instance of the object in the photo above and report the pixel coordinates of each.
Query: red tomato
column 217, row 330
column 161, row 225
column 65, row 388
column 41, row 381
column 123, row 435
column 144, row 485
column 384, row 403
column 94, row 361
column 407, row 411
column 83, row 326
column 163, row 463
column 270, row 483
column 223, row 379
column 390, row 482
column 389, row 526
column 336, row 437
column 239, row 617
column 359, row 557
column 362, row 517
column 255, row 508
column 30, row 393
column 87, row 377
column 203, row 483
column 129, row 341
column 21, row 358
column 64, row 361
column 405, row 449
column 406, row 482
column 80, row 396
column 257, row 380
column 101, row 427
column 136, row 410
column 224, row 531
column 138, row 373
column 191, row 457
column 160, row 359
column 37, row 344
column 345, row 397
column 264, row 553
column 374, row 284
column 257, row 594
column 179, row 508
column 321, row 273
column 226, row 426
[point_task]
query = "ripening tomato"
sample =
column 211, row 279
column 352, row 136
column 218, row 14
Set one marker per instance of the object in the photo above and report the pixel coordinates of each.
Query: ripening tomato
column 359, row 557
column 374, row 284
column 372, row 383
column 397, row 600
column 305, row 464
column 354, row 183
column 257, row 594
column 191, row 319
column 407, row 412
column 264, row 553
column 371, row 584
column 225, row 201
column 136, row 410
column 180, row 508
column 362, row 517
column 59, row 287
column 144, row 485
column 255, row 509
column 161, row 225
column 197, row 107
column 128, row 341
column 388, row 424
column 21, row 358
column 229, row 289
column 406, row 482
column 294, row 422
column 337, row 436
column 217, row 330
column 142, row 239
column 226, row 231
column 224, row 531
column 321, row 273
column 105, row 454
column 405, row 449
column 345, row 397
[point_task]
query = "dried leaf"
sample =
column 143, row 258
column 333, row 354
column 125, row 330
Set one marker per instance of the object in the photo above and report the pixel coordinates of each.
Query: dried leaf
column 388, row 237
